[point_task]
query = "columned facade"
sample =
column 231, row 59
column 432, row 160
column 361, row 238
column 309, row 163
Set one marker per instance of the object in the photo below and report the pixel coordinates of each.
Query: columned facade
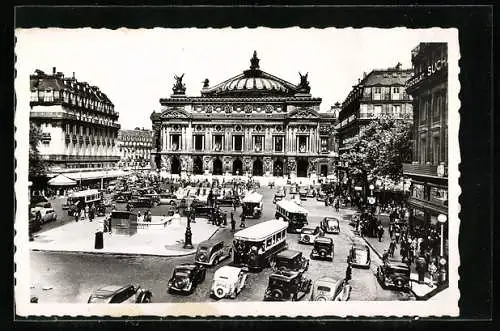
column 254, row 123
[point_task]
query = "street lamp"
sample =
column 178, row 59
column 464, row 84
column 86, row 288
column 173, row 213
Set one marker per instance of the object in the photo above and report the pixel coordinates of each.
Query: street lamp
column 188, row 235
column 442, row 219
column 371, row 187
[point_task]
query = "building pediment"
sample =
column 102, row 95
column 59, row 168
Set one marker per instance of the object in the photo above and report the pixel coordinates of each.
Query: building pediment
column 304, row 113
column 174, row 113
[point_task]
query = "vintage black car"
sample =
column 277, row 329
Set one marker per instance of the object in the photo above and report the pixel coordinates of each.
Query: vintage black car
column 121, row 294
column 330, row 225
column 321, row 196
column 123, row 197
column 279, row 195
column 395, row 275
column 211, row 252
column 186, row 278
column 323, row 249
column 202, row 209
column 287, row 286
column 290, row 260
column 140, row 202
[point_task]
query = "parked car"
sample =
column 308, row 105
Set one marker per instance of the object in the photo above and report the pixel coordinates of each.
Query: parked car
column 394, row 274
column 287, row 286
column 46, row 214
column 121, row 294
column 186, row 278
column 359, row 256
column 290, row 260
column 140, row 202
column 211, row 252
column 293, row 189
column 168, row 199
column 323, row 249
column 329, row 289
column 279, row 195
column 228, row 282
column 303, row 193
column 330, row 225
column 309, row 234
column 321, row 196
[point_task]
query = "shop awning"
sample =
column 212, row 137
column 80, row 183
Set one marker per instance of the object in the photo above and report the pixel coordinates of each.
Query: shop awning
column 61, row 180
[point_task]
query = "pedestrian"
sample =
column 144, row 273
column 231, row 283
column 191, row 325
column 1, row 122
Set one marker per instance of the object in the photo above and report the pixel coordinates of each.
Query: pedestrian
column 234, row 205
column 233, row 223
column 385, row 256
column 109, row 224
column 380, row 232
column 397, row 234
column 391, row 230
column 392, row 248
column 91, row 213
column 242, row 225
column 348, row 272
column 87, row 211
column 433, row 271
column 337, row 205
column 77, row 215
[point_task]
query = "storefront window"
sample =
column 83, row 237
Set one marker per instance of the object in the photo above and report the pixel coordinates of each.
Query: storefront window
column 438, row 195
column 418, row 191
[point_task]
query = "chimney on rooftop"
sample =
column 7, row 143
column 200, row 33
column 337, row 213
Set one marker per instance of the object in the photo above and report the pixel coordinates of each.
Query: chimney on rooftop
column 53, row 70
column 73, row 75
column 364, row 74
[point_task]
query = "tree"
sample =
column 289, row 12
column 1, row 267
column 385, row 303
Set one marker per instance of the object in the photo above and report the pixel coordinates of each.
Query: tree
column 380, row 149
column 37, row 168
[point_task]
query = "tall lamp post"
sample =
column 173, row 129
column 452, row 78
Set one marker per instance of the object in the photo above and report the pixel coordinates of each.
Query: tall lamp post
column 442, row 261
column 188, row 236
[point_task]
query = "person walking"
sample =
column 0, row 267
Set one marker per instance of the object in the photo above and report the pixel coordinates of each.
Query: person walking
column 380, row 232
column 337, row 206
column 91, row 213
column 77, row 214
column 233, row 223
column 391, row 230
column 87, row 211
column 385, row 256
column 397, row 234
column 392, row 248
column 348, row 272
column 433, row 271
column 242, row 225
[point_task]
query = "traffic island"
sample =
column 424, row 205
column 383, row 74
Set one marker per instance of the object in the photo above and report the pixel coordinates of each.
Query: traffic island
column 156, row 238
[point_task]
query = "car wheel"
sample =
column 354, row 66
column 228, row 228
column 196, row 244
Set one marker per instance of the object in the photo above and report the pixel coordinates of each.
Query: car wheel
column 172, row 203
column 147, row 299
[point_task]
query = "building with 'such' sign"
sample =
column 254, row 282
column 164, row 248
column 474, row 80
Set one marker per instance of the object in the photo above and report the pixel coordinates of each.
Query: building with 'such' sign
column 78, row 123
column 429, row 168
column 253, row 123
column 134, row 147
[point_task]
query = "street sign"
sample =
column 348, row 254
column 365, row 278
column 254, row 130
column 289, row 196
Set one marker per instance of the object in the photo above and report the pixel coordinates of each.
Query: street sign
column 371, row 200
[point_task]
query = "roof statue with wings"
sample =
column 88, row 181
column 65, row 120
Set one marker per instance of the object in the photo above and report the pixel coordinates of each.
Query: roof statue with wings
column 304, row 84
column 179, row 86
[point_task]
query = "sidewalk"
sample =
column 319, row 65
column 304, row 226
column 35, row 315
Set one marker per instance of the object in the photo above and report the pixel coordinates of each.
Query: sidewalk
column 421, row 291
column 78, row 237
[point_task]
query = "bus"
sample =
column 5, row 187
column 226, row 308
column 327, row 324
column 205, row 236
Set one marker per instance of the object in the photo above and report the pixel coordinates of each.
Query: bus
column 252, row 205
column 256, row 246
column 293, row 214
column 81, row 199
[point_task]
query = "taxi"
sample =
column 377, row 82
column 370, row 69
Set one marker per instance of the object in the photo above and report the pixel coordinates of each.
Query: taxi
column 228, row 281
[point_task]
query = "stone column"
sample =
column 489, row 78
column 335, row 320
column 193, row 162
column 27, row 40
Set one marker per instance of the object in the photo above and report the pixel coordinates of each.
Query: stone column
column 189, row 138
column 164, row 139
column 208, row 136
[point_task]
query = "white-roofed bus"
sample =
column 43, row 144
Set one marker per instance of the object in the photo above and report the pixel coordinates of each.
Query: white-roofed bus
column 256, row 246
column 293, row 214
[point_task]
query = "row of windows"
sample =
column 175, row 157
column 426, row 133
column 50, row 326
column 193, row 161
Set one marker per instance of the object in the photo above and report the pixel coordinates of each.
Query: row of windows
column 374, row 111
column 437, row 195
column 50, row 95
column 385, row 93
column 89, row 131
column 434, row 146
column 135, row 138
column 90, row 165
column 238, row 142
column 432, row 107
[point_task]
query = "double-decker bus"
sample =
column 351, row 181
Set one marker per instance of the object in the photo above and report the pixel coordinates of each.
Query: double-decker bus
column 256, row 246
column 81, row 199
column 293, row 214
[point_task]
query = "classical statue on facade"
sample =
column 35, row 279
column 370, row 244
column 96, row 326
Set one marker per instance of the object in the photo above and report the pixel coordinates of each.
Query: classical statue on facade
column 179, row 86
column 304, row 83
column 206, row 83
column 267, row 165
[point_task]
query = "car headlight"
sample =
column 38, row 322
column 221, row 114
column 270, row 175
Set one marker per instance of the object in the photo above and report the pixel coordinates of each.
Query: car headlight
column 321, row 299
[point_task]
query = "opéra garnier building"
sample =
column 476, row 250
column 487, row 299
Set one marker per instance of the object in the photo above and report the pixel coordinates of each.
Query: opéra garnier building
column 254, row 123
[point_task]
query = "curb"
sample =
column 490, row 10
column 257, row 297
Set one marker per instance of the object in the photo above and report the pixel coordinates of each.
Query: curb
column 180, row 254
column 372, row 248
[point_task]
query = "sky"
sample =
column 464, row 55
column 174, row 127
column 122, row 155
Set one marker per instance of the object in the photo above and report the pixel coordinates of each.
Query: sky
column 136, row 68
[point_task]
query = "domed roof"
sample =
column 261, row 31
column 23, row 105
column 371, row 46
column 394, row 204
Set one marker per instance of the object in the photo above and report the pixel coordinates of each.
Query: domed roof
column 252, row 82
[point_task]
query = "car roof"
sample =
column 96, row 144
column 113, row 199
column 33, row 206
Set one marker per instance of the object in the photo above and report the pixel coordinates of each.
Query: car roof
column 261, row 231
column 327, row 279
column 210, row 242
column 109, row 290
column 323, row 240
column 188, row 266
column 253, row 197
column 284, row 275
column 227, row 271
column 397, row 265
column 288, row 254
column 292, row 207
column 331, row 219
